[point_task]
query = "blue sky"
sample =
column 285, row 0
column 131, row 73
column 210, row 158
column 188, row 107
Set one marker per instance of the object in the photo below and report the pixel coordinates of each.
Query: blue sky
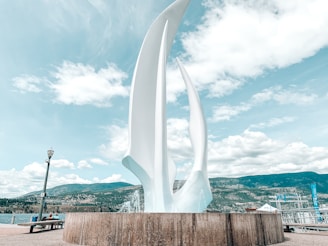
column 66, row 66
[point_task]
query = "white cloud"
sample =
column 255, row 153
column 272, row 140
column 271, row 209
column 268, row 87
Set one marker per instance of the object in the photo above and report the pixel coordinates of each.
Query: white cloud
column 109, row 179
column 75, row 83
column 250, row 153
column 175, row 85
column 284, row 96
column 98, row 161
column 226, row 112
column 62, row 163
column 17, row 182
column 253, row 153
column 81, row 84
column 35, row 170
column 179, row 145
column 273, row 122
column 31, row 178
column 71, row 178
column 275, row 94
column 177, row 132
column 27, row 83
column 288, row 97
column 178, row 141
column 242, row 39
column 117, row 144
column 105, row 26
column 264, row 96
column 223, row 87
column 83, row 164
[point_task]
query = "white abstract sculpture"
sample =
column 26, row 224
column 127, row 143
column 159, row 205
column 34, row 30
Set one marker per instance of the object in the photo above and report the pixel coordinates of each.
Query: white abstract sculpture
column 147, row 151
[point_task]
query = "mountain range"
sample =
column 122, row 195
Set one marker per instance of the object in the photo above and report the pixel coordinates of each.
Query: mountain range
column 229, row 194
column 66, row 189
column 301, row 181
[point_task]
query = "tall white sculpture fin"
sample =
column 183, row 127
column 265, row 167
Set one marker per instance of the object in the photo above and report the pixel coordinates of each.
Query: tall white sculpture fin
column 147, row 155
column 162, row 197
column 195, row 195
column 142, row 129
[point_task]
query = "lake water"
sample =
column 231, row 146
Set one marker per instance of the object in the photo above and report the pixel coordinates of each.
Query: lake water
column 21, row 218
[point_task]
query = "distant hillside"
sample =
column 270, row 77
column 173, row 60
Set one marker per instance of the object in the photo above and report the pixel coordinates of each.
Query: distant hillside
column 235, row 194
column 301, row 181
column 82, row 188
column 229, row 194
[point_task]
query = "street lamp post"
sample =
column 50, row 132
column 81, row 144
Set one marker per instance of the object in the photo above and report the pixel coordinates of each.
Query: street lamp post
column 43, row 194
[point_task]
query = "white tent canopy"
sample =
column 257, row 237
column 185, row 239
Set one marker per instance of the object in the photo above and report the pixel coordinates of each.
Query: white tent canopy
column 267, row 208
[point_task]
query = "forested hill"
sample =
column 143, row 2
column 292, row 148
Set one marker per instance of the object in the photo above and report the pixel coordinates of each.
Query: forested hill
column 229, row 194
column 82, row 188
column 301, row 181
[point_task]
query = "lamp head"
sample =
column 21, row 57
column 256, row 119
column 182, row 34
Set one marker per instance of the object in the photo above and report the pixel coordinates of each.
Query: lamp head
column 50, row 153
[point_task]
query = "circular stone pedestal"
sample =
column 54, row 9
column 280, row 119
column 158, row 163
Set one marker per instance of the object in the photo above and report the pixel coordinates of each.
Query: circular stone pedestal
column 172, row 229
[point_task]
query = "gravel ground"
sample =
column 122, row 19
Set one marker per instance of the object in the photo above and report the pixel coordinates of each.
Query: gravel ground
column 305, row 239
column 17, row 235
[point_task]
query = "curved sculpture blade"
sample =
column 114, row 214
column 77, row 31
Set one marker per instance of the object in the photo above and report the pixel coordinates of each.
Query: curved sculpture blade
column 147, row 155
column 195, row 194
column 140, row 157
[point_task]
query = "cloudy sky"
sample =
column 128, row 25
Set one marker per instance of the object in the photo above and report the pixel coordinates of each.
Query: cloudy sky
column 260, row 68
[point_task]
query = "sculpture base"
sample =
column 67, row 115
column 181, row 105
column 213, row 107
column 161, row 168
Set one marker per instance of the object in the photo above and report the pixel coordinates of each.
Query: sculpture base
column 172, row 229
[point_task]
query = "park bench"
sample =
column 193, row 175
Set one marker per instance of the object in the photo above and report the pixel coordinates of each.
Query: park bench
column 44, row 223
column 287, row 226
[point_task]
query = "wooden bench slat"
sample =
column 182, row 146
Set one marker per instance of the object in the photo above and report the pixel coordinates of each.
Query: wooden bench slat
column 306, row 225
column 43, row 223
